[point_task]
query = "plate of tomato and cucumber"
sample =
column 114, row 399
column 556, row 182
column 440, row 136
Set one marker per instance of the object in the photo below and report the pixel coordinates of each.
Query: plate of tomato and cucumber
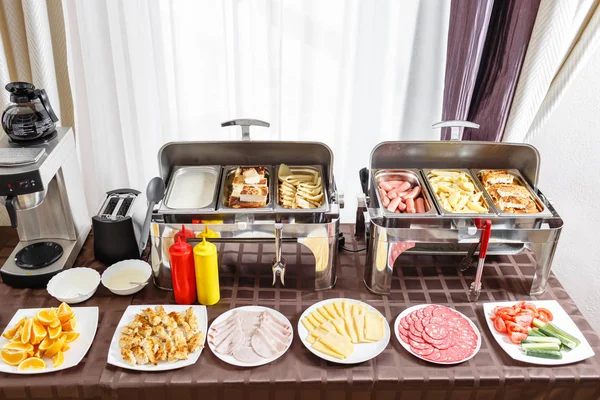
column 536, row 332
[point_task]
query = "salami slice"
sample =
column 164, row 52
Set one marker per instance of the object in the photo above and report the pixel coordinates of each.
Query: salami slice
column 434, row 356
column 418, row 325
column 415, row 338
column 402, row 331
column 443, row 344
column 418, row 345
column 436, row 331
column 414, row 330
column 428, row 311
column 430, row 340
column 440, row 311
column 422, row 352
column 420, row 314
column 404, row 338
column 404, row 323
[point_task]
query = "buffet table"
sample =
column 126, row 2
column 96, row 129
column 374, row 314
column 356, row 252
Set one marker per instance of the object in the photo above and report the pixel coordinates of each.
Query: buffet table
column 394, row 374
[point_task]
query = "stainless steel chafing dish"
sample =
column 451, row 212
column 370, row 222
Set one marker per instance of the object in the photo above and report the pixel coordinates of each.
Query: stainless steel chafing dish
column 317, row 229
column 447, row 233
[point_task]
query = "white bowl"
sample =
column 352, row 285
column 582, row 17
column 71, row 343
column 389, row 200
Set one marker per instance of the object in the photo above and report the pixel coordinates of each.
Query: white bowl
column 74, row 285
column 135, row 265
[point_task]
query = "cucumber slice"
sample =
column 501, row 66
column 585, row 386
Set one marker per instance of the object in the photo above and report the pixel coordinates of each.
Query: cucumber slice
column 542, row 339
column 552, row 354
column 570, row 344
column 539, row 346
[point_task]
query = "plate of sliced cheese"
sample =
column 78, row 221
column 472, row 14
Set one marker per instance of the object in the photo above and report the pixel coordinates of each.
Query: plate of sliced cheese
column 344, row 331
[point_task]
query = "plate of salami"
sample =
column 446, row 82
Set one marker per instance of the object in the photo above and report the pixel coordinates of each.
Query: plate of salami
column 437, row 334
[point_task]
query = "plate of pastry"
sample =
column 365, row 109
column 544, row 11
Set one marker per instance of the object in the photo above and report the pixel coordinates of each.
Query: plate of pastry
column 344, row 331
column 158, row 338
column 250, row 336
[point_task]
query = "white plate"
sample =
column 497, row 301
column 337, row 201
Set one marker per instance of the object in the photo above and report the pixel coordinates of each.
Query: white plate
column 87, row 322
column 362, row 351
column 234, row 361
column 114, row 351
column 74, row 285
column 407, row 347
column 561, row 319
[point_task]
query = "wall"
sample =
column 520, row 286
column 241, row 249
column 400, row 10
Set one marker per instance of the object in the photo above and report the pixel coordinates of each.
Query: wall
column 569, row 145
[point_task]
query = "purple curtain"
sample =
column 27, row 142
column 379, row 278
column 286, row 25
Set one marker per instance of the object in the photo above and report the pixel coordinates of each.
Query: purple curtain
column 490, row 68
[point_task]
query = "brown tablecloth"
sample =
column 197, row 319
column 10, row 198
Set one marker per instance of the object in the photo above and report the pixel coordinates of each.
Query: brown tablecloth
column 298, row 374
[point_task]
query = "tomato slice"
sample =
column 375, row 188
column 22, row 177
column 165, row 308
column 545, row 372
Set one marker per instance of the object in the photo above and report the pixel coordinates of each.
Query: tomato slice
column 516, row 337
column 500, row 325
column 531, row 307
column 513, row 327
column 545, row 314
column 524, row 320
column 505, row 310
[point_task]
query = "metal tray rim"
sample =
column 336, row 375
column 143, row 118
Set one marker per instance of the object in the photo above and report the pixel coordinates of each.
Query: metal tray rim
column 210, row 206
column 432, row 208
column 443, row 211
column 282, row 210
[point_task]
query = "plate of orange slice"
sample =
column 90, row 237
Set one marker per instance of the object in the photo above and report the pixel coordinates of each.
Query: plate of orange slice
column 42, row 340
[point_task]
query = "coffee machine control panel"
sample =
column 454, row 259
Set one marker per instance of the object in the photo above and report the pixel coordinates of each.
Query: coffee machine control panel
column 21, row 183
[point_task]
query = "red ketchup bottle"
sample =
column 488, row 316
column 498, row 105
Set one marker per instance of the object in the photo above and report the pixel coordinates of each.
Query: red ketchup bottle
column 184, row 234
column 183, row 272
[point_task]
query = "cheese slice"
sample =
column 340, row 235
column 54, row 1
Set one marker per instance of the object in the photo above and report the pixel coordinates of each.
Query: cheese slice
column 347, row 306
column 338, row 343
column 325, row 314
column 311, row 338
column 339, row 308
column 320, row 331
column 359, row 325
column 331, row 310
column 312, row 320
column 317, row 316
column 308, row 325
column 374, row 329
column 349, row 322
column 326, row 350
column 340, row 327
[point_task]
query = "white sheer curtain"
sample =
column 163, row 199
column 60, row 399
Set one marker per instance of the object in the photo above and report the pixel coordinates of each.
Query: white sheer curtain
column 347, row 73
column 565, row 35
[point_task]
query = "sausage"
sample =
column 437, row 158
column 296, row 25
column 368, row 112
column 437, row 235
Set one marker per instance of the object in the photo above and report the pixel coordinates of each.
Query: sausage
column 412, row 194
column 403, row 187
column 394, row 184
column 392, row 195
column 385, row 200
column 382, row 193
column 420, row 205
column 410, row 206
column 394, row 204
column 401, row 206
column 385, row 186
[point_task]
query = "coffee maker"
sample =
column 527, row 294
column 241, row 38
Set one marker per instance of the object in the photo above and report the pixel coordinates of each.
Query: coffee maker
column 42, row 189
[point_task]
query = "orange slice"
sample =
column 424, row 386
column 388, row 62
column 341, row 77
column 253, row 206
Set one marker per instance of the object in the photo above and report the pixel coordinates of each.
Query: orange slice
column 65, row 313
column 65, row 348
column 10, row 333
column 58, row 359
column 46, row 316
column 33, row 363
column 13, row 357
column 46, row 343
column 55, row 347
column 18, row 346
column 26, row 334
column 70, row 325
column 71, row 336
column 38, row 332
column 54, row 333
column 54, row 324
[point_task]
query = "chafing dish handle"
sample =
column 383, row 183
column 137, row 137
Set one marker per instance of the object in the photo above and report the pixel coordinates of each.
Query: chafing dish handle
column 457, row 127
column 245, row 124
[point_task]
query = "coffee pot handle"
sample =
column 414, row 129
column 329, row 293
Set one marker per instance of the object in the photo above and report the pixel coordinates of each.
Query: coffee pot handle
column 41, row 94
column 10, row 204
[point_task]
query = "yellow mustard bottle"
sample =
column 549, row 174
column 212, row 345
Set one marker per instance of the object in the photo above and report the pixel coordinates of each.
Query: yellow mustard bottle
column 207, row 273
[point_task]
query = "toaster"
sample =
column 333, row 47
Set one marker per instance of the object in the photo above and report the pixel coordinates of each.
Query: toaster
column 118, row 225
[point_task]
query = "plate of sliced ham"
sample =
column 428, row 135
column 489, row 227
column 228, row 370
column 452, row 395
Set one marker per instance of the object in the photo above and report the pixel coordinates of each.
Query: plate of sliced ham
column 437, row 334
column 250, row 336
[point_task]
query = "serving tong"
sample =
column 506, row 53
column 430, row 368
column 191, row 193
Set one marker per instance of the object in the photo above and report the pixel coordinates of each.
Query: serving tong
column 475, row 287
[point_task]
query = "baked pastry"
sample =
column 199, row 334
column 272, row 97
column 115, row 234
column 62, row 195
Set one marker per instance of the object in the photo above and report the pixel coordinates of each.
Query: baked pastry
column 249, row 188
column 512, row 198
column 300, row 189
column 493, row 176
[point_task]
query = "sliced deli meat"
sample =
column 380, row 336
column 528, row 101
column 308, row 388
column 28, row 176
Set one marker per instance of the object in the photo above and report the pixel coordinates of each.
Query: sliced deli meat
column 438, row 334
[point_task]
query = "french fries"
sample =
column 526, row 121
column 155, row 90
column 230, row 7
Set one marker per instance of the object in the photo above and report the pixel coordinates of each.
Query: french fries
column 456, row 192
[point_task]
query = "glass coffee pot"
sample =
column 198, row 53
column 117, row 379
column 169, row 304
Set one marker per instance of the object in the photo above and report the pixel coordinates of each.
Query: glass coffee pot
column 28, row 118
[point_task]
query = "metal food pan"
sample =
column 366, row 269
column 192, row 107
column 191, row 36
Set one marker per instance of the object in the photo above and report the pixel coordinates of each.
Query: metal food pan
column 190, row 179
column 299, row 169
column 519, row 180
column 227, row 180
column 409, row 175
column 442, row 210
